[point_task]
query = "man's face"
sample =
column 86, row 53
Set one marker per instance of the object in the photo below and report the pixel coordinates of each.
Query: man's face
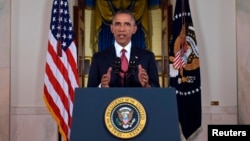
column 123, row 27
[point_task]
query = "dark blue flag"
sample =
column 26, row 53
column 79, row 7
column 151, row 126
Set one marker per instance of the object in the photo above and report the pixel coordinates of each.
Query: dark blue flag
column 184, row 69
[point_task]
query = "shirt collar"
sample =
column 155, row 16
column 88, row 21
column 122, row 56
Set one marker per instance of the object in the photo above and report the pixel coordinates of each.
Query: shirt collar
column 118, row 49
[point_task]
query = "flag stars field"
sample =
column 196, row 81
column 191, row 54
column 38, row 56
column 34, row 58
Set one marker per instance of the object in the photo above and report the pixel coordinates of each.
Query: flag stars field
column 181, row 15
column 188, row 92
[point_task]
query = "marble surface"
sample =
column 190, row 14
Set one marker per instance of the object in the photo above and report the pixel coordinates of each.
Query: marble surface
column 243, row 60
column 28, row 124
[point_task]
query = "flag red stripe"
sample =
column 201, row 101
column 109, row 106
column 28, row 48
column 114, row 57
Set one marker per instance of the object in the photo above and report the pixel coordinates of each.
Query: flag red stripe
column 62, row 68
column 57, row 87
column 72, row 62
column 64, row 115
column 178, row 61
column 55, row 112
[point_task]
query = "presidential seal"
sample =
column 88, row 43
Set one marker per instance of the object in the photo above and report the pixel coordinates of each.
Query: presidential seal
column 125, row 117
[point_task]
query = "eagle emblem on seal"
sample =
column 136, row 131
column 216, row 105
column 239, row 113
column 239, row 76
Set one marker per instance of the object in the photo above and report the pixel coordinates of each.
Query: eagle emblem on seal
column 125, row 117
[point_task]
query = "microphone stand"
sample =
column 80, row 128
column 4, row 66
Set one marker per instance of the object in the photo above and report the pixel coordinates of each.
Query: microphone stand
column 117, row 65
column 132, row 67
column 130, row 72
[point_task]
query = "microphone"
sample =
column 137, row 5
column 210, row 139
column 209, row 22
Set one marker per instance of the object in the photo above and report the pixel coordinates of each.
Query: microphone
column 132, row 65
column 117, row 65
column 131, row 68
column 118, row 70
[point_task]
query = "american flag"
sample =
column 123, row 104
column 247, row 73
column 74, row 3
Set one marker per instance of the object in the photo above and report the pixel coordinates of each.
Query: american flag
column 61, row 74
column 178, row 61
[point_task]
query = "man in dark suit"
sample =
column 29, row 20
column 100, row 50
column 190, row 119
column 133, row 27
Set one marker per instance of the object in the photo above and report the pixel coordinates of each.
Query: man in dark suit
column 105, row 70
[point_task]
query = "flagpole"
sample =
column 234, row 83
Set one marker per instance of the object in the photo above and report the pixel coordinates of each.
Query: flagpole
column 59, row 136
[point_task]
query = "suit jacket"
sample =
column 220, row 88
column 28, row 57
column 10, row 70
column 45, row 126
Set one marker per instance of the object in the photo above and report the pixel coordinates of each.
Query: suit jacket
column 101, row 61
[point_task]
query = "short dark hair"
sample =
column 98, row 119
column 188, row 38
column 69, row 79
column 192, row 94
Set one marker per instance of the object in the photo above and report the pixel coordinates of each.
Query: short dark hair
column 124, row 11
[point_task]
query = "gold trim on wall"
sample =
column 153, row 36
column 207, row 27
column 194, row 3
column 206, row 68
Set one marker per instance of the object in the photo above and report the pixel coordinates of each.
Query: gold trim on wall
column 158, row 60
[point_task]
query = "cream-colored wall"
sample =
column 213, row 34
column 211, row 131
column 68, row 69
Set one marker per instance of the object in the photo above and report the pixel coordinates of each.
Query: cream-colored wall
column 215, row 26
column 27, row 39
column 29, row 27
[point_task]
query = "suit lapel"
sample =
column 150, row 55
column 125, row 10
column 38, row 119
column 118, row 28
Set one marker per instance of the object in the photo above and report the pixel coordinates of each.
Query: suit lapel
column 110, row 58
column 111, row 55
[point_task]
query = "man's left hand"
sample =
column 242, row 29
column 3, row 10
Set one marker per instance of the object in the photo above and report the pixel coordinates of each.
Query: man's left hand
column 143, row 76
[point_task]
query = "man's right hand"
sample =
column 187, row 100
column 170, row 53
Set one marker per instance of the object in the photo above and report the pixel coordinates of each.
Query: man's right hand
column 106, row 78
